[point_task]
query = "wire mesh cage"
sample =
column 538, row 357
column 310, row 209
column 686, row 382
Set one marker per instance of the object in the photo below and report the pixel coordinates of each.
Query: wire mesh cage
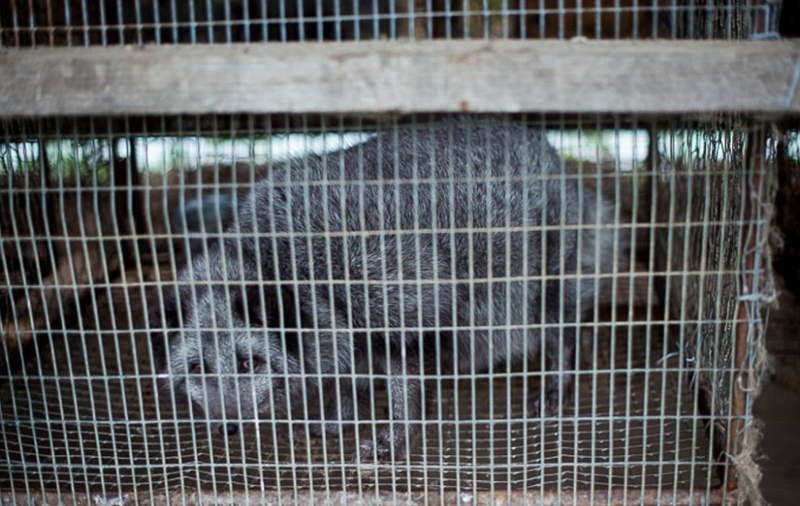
column 137, row 22
column 432, row 309
column 461, row 271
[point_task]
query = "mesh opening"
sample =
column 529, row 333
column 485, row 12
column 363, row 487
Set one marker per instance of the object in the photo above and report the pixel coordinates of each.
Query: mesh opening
column 137, row 22
column 89, row 244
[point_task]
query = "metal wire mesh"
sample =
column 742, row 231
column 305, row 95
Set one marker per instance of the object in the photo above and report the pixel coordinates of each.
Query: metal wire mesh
column 137, row 22
column 99, row 231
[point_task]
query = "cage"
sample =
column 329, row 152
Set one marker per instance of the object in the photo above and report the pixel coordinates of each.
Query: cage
column 479, row 270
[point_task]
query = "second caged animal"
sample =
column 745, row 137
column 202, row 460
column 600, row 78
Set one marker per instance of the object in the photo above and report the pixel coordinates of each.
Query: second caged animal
column 456, row 246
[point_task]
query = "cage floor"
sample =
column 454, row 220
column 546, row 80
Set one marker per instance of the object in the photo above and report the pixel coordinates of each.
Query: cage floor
column 84, row 418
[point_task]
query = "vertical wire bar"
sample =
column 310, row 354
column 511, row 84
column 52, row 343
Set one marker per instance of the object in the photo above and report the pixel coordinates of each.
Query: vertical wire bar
column 313, row 283
column 147, row 208
column 103, row 24
column 504, row 18
column 708, row 159
column 137, row 254
column 684, row 283
column 527, row 182
column 383, row 232
column 228, row 21
column 210, row 20
column 270, row 181
column 211, row 285
column 264, row 22
column 17, row 238
column 175, row 21
column 596, row 320
column 337, row 20
column 195, row 300
column 392, row 19
column 471, row 184
column 542, row 318
column 404, row 352
column 329, row 324
column 630, row 343
column 650, row 171
column 723, row 241
column 293, row 236
column 216, row 327
column 113, row 183
column 366, row 277
column 614, row 297
column 75, row 282
column 674, row 20
column 327, row 286
column 75, row 293
column 250, row 200
column 243, row 281
column 85, row 24
column 356, row 21
column 455, row 283
column 739, row 334
column 115, row 328
column 227, row 329
column 583, row 227
column 156, row 21
column 319, row 14
column 238, row 202
column 137, row 6
column 91, row 280
column 192, row 23
column 376, row 20
column 6, row 165
column 438, row 280
column 44, row 174
column 121, row 25
column 282, row 19
column 106, row 276
column 487, row 183
column 667, row 311
column 508, row 286
column 562, row 271
column 654, row 23
column 418, row 317
column 161, row 300
column 342, row 188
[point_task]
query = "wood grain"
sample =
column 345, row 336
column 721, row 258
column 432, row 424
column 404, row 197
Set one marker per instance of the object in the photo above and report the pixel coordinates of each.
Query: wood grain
column 575, row 76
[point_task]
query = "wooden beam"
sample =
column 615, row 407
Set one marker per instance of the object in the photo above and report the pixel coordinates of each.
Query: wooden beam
column 400, row 77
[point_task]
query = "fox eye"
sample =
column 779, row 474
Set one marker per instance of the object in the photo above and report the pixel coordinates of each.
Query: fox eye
column 194, row 368
column 250, row 365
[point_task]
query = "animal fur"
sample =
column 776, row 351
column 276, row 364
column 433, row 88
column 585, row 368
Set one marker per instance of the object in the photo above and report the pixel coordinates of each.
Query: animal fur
column 374, row 259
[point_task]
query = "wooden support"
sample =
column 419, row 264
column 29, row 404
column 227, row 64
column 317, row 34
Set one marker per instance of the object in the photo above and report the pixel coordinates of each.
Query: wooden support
column 504, row 76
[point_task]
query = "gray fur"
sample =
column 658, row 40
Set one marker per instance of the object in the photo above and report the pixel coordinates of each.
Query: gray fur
column 321, row 325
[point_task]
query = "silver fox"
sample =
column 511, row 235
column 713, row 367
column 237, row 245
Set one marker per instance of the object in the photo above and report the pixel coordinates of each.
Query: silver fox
column 459, row 244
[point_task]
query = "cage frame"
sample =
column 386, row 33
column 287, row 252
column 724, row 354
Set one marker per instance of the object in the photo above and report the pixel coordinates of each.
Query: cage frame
column 757, row 78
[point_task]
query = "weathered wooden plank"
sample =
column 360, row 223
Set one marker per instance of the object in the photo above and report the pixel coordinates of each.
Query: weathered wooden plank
column 430, row 76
